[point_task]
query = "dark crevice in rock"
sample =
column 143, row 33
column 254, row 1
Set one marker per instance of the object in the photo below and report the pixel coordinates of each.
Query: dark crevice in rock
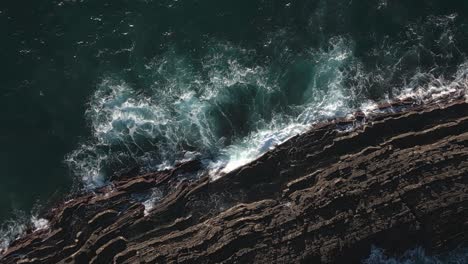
column 399, row 179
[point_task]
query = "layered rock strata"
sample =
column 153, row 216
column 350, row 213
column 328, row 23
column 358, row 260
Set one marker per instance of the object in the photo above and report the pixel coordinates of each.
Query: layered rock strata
column 395, row 179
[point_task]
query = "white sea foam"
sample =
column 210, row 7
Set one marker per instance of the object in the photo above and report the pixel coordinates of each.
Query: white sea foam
column 233, row 109
column 438, row 87
column 333, row 104
column 327, row 101
column 39, row 223
column 11, row 231
column 180, row 113
column 14, row 229
column 156, row 195
column 252, row 147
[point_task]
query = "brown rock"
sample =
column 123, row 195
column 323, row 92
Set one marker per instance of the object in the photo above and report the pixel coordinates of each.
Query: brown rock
column 326, row 196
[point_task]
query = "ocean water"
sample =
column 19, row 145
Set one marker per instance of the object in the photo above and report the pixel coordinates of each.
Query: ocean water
column 418, row 256
column 90, row 90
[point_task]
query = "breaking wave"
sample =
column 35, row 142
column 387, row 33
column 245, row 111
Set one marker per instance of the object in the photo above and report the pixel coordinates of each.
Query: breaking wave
column 182, row 92
column 15, row 228
column 228, row 111
column 233, row 104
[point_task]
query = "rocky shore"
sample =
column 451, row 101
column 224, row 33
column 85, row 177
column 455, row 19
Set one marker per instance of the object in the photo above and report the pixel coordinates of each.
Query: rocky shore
column 396, row 179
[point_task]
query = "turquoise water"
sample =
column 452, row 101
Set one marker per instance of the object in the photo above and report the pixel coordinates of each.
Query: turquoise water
column 93, row 89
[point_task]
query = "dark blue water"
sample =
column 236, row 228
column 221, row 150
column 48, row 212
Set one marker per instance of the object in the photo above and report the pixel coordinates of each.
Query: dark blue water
column 90, row 90
column 418, row 256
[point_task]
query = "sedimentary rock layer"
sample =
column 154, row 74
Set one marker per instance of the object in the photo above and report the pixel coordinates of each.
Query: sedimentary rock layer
column 397, row 179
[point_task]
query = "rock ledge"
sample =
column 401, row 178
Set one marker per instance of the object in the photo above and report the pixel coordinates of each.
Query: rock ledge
column 398, row 179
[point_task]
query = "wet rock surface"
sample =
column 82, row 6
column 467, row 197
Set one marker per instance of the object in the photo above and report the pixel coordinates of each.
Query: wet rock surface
column 395, row 179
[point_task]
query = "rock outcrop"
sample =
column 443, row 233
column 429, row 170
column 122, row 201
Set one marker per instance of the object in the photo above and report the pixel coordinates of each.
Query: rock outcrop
column 396, row 179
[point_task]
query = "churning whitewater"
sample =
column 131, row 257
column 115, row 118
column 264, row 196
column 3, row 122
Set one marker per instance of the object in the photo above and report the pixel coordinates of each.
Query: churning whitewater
column 227, row 112
column 223, row 82
column 228, row 108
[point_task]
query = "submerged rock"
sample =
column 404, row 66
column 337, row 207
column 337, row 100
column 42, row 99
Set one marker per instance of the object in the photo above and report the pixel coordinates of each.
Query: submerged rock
column 396, row 180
